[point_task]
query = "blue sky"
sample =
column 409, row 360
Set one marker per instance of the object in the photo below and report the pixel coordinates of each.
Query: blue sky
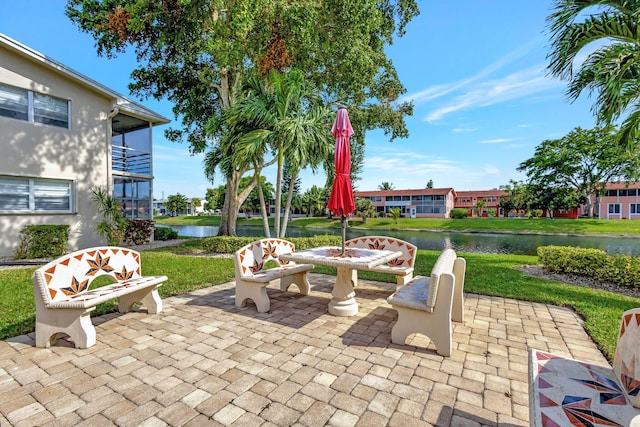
column 475, row 71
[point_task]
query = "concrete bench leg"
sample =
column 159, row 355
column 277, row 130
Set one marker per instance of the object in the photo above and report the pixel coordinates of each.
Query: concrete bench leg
column 257, row 292
column 436, row 324
column 149, row 297
column 75, row 323
column 299, row 279
column 402, row 280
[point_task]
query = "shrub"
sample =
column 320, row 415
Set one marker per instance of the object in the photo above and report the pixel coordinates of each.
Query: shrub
column 164, row 233
column 623, row 270
column 534, row 213
column 458, row 213
column 229, row 244
column 42, row 241
column 138, row 231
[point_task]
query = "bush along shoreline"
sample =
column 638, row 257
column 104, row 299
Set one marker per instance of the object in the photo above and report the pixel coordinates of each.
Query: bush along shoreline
column 622, row 270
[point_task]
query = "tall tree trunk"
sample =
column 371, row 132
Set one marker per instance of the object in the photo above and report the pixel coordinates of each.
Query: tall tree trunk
column 263, row 205
column 287, row 206
column 232, row 202
column 229, row 208
column 278, row 193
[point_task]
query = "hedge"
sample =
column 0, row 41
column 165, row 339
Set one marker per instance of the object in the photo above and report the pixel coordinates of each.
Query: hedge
column 227, row 244
column 594, row 263
column 42, row 241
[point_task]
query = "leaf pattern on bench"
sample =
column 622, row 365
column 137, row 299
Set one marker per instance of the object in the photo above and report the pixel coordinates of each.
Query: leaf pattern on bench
column 98, row 264
column 256, row 267
column 252, row 258
column 124, row 274
column 76, row 287
column 269, row 251
column 376, row 245
column 395, row 262
column 68, row 276
column 387, row 243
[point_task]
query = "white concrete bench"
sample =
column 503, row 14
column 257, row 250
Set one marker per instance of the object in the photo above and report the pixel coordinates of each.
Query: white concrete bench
column 252, row 278
column 401, row 267
column 569, row 392
column 427, row 305
column 64, row 301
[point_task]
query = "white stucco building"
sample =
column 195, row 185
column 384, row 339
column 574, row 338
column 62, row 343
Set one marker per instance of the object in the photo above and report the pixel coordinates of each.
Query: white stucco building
column 61, row 135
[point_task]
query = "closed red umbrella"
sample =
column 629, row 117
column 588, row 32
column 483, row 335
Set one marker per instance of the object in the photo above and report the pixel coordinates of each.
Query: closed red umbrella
column 341, row 199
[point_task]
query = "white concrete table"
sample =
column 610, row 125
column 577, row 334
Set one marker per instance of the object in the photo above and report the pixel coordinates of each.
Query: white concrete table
column 343, row 302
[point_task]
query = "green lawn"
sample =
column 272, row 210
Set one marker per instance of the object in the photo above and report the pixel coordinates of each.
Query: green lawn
column 493, row 275
column 509, row 225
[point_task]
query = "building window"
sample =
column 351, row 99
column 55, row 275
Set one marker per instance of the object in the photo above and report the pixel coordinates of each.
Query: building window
column 612, row 193
column 614, row 208
column 135, row 196
column 131, row 151
column 634, row 208
column 625, row 193
column 33, row 107
column 35, row 195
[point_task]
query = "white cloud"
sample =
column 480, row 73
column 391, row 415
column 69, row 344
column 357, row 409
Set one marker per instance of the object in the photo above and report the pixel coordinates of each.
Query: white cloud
column 438, row 91
column 495, row 141
column 516, row 85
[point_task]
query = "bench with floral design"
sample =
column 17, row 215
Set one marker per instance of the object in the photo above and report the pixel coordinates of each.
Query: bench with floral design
column 401, row 267
column 64, row 301
column 252, row 278
column 569, row 392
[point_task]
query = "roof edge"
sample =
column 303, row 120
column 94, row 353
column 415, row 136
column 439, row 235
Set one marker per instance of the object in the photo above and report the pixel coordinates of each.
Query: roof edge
column 121, row 101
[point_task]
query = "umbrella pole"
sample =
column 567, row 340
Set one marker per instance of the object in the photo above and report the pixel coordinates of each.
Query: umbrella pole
column 343, row 221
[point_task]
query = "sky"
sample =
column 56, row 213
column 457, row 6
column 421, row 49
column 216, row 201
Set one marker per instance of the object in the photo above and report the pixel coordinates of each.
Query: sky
column 475, row 71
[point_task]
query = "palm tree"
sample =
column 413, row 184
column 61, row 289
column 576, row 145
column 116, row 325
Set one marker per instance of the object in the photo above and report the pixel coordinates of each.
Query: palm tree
column 365, row 209
column 479, row 207
column 385, row 186
column 395, row 214
column 316, row 199
column 613, row 70
column 114, row 223
column 288, row 117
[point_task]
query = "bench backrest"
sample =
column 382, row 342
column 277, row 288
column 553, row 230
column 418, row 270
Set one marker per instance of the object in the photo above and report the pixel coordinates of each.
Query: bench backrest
column 73, row 273
column 444, row 264
column 409, row 251
column 252, row 258
column 626, row 363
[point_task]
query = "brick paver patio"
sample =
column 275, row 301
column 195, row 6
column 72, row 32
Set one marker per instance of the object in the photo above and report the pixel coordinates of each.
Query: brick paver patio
column 203, row 362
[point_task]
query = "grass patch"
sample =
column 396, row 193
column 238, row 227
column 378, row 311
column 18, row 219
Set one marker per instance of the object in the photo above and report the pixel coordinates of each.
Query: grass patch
column 578, row 226
column 487, row 274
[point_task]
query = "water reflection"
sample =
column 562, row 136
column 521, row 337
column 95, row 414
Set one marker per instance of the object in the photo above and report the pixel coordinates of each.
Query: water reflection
column 465, row 242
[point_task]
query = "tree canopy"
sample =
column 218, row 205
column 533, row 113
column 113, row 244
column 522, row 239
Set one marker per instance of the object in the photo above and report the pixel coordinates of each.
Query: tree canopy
column 583, row 160
column 613, row 69
column 194, row 52
column 176, row 203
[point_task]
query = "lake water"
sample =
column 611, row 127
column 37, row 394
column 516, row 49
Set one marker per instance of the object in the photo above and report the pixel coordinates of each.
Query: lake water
column 465, row 242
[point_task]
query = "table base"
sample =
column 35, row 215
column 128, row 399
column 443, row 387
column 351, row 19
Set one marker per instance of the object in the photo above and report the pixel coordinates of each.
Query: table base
column 343, row 302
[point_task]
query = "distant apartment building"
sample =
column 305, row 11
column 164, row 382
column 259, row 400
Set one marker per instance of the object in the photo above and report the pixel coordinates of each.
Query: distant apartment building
column 422, row 203
column 491, row 200
column 160, row 208
column 621, row 200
